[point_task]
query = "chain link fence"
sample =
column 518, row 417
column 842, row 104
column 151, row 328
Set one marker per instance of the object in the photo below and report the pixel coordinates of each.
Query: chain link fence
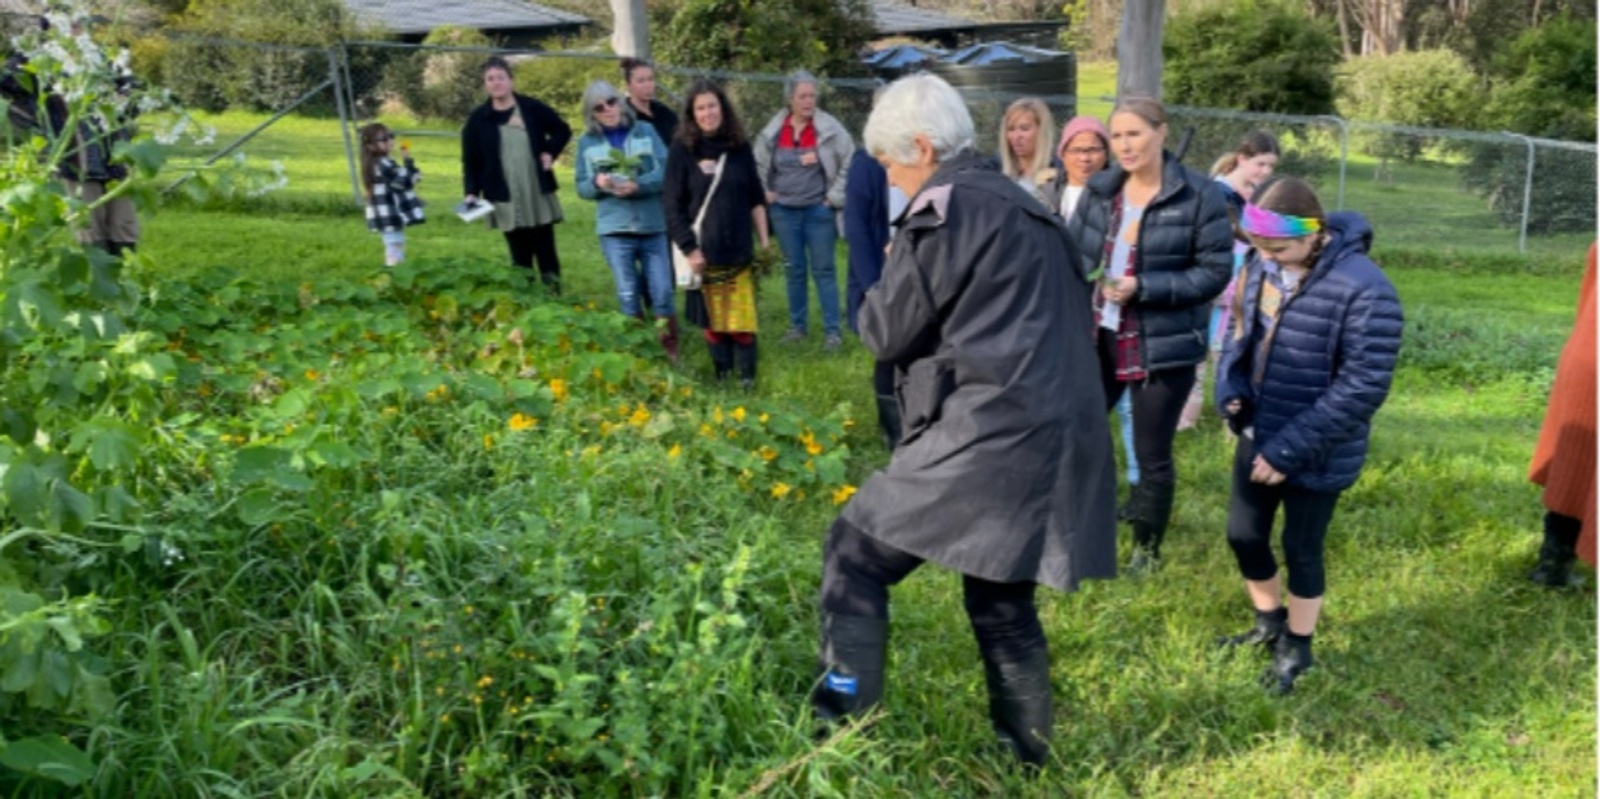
column 1423, row 188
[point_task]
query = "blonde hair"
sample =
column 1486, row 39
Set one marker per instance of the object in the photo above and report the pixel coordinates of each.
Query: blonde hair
column 1043, row 149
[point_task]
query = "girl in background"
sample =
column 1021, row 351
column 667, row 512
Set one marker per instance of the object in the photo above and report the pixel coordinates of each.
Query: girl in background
column 1315, row 336
column 391, row 190
column 1239, row 174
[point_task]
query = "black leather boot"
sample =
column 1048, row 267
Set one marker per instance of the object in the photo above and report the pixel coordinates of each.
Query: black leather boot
column 1291, row 657
column 1270, row 625
column 850, row 666
column 1557, row 553
column 721, row 357
column 889, row 420
column 1150, row 508
column 745, row 356
column 1021, row 705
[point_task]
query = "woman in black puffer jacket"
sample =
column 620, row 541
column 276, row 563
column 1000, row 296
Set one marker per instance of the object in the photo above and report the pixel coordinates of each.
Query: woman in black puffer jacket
column 1159, row 236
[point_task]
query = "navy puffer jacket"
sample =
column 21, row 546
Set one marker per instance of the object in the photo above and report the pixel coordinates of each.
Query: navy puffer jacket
column 1185, row 257
column 1329, row 362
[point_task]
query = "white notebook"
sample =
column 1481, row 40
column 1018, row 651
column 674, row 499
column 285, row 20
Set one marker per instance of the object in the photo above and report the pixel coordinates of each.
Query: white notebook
column 472, row 211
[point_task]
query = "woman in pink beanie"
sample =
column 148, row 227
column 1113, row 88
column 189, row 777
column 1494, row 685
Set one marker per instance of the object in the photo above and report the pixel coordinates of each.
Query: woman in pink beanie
column 1084, row 143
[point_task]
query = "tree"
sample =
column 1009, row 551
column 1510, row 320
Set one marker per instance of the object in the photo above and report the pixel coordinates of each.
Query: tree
column 1273, row 58
column 766, row 35
column 1139, row 51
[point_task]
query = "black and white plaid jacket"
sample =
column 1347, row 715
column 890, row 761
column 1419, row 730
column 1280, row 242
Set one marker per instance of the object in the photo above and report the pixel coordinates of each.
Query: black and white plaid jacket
column 393, row 204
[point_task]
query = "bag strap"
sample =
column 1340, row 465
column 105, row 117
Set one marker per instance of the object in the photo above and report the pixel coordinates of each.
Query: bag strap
column 716, row 179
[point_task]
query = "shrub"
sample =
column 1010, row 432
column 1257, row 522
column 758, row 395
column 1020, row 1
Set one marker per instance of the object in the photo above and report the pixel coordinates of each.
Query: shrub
column 1271, row 57
column 1426, row 88
column 751, row 37
column 440, row 84
column 1544, row 85
column 207, row 72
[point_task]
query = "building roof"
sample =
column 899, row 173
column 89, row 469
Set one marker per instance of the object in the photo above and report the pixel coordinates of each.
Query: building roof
column 418, row 17
column 899, row 19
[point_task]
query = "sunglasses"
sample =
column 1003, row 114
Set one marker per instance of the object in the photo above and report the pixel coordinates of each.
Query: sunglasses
column 604, row 104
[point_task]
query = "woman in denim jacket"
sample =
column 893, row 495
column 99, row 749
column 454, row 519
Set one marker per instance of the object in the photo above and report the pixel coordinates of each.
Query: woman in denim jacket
column 621, row 162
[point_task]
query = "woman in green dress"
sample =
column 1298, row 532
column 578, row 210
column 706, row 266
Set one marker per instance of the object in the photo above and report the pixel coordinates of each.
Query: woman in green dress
column 507, row 148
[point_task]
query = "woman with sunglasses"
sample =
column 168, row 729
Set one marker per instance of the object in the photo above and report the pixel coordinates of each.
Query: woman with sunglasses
column 621, row 163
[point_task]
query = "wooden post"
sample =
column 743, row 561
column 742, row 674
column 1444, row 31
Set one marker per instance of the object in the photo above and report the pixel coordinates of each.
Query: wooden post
column 630, row 35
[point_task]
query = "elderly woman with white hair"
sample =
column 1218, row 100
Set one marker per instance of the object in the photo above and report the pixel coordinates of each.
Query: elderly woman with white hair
column 803, row 156
column 1004, row 472
column 621, row 164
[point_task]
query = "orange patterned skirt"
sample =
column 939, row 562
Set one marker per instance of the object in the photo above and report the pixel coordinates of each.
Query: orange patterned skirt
column 732, row 305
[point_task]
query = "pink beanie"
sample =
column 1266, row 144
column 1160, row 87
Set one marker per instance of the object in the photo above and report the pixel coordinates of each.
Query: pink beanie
column 1082, row 124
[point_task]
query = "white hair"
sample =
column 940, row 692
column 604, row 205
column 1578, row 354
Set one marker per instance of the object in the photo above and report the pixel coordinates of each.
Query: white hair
column 794, row 80
column 918, row 104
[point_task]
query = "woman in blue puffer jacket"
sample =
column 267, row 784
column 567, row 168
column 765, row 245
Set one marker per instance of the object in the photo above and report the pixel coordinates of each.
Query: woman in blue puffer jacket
column 1315, row 335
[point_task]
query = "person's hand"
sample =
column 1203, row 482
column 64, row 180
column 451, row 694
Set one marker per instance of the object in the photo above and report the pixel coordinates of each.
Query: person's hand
column 1121, row 290
column 772, row 197
column 602, row 180
column 545, row 160
column 470, row 199
column 697, row 262
column 624, row 188
column 1262, row 472
column 1233, row 407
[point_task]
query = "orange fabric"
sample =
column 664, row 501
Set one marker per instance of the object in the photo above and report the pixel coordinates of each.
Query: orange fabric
column 1564, row 461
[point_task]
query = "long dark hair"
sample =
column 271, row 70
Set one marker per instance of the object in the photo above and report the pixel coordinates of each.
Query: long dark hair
column 689, row 133
column 369, row 157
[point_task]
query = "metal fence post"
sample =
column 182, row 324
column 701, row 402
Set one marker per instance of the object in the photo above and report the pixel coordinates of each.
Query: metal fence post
column 344, row 125
column 1344, row 154
column 1527, row 192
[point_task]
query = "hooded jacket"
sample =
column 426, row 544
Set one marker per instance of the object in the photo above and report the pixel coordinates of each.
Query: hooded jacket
column 1185, row 258
column 834, row 148
column 1004, row 469
column 1327, row 365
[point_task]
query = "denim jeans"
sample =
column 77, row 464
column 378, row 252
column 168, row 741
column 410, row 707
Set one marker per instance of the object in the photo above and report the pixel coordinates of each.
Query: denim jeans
column 807, row 237
column 1125, row 421
column 649, row 252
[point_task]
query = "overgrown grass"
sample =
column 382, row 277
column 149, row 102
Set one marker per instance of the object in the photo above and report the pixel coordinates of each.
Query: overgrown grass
column 334, row 640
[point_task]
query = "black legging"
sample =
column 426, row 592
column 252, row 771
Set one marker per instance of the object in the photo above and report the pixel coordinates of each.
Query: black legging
column 1306, row 515
column 536, row 243
column 1157, row 403
column 858, row 570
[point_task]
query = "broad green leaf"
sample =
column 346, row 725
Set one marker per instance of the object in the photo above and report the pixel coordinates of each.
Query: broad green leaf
column 257, row 507
column 70, row 509
column 50, row 757
column 264, row 464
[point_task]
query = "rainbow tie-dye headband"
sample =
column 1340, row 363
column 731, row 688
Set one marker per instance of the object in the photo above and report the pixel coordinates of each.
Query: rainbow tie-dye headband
column 1258, row 221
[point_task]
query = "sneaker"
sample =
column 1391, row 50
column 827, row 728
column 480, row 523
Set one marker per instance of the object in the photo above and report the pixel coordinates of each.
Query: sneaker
column 795, row 334
column 832, row 342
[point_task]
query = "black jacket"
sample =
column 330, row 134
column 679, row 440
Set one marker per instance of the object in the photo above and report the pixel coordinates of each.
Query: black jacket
column 482, row 174
column 727, row 235
column 1329, row 363
column 1005, row 468
column 1185, row 258
column 662, row 119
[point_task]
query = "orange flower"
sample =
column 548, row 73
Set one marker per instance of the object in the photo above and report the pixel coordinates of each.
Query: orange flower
column 780, row 490
column 767, row 453
column 843, row 493
column 521, row 422
column 558, row 389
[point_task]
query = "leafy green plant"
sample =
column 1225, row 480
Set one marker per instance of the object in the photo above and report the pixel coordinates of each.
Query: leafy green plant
column 1261, row 55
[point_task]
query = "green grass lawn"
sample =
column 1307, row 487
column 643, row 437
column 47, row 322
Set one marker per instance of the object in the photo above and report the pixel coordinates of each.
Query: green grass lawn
column 1440, row 671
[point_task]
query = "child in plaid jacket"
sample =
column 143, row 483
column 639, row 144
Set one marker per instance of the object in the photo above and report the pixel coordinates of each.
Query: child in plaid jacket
column 391, row 189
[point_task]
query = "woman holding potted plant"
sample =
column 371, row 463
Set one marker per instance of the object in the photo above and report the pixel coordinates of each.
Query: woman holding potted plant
column 621, row 163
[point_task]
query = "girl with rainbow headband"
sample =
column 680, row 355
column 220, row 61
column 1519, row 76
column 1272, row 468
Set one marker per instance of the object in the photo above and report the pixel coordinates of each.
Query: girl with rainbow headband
column 1309, row 359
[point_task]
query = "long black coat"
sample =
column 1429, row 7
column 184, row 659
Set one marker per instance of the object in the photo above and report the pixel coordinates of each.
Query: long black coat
column 1185, row 257
column 1005, row 468
column 482, row 174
